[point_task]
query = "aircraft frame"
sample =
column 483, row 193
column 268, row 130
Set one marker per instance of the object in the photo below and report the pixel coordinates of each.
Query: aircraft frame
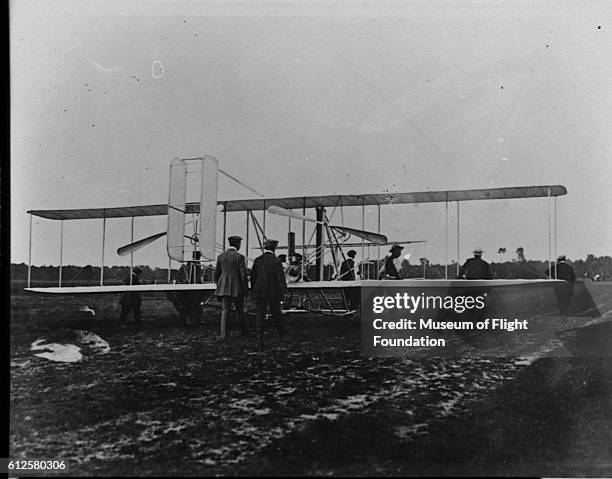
column 206, row 212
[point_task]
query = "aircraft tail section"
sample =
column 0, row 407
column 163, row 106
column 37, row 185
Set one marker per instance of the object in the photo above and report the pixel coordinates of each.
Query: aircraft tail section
column 177, row 208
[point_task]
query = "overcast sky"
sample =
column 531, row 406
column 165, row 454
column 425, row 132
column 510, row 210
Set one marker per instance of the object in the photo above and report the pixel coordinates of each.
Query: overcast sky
column 306, row 98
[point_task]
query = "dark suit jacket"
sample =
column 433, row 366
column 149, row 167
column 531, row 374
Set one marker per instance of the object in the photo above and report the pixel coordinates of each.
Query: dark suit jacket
column 389, row 270
column 347, row 270
column 268, row 278
column 231, row 274
column 476, row 268
column 564, row 271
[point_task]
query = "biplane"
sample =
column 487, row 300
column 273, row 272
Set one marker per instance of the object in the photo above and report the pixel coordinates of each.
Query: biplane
column 191, row 238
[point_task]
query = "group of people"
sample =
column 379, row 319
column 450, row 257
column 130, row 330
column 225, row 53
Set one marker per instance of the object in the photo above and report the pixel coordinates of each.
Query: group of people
column 268, row 285
column 477, row 268
column 349, row 269
column 268, row 282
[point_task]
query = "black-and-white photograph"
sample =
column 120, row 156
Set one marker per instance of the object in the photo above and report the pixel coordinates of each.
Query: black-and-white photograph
column 310, row 238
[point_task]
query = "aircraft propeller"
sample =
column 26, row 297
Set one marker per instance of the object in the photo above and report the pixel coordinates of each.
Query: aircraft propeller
column 376, row 238
column 136, row 245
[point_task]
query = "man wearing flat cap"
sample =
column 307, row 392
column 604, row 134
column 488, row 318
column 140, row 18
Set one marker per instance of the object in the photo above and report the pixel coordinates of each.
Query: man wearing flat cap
column 389, row 271
column 268, row 285
column 476, row 267
column 564, row 292
column 232, row 284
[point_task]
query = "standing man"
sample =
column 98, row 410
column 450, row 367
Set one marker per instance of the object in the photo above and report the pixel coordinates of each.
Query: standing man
column 232, row 285
column 131, row 300
column 476, row 267
column 347, row 273
column 268, row 285
column 564, row 292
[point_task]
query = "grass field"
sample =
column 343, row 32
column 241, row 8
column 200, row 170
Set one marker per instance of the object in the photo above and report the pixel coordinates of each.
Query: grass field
column 167, row 399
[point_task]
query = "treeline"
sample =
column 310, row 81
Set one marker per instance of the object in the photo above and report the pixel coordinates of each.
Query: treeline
column 599, row 268
column 87, row 275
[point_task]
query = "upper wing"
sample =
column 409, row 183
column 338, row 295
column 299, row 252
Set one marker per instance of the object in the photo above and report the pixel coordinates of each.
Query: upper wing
column 300, row 202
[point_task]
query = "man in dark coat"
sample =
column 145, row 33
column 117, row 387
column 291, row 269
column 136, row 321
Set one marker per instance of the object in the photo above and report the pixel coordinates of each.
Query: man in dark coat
column 564, row 292
column 347, row 273
column 268, row 285
column 232, row 284
column 347, row 268
column 476, row 267
column 130, row 300
column 389, row 271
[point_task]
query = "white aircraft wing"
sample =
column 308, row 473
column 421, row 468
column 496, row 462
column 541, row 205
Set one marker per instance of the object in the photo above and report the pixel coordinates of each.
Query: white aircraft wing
column 304, row 285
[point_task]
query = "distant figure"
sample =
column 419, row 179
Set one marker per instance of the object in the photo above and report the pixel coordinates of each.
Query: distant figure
column 195, row 268
column 347, row 268
column 232, row 284
column 131, row 300
column 476, row 267
column 562, row 270
column 389, row 271
column 347, row 273
column 268, row 286
column 564, row 292
column 424, row 264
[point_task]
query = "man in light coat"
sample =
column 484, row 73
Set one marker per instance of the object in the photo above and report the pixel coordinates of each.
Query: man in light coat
column 232, row 285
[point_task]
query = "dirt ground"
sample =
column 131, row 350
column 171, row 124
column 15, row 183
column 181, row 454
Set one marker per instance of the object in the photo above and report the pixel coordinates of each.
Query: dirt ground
column 169, row 400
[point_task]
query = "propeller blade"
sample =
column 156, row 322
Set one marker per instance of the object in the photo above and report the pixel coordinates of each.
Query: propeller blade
column 376, row 238
column 366, row 235
column 136, row 245
column 346, row 245
column 277, row 210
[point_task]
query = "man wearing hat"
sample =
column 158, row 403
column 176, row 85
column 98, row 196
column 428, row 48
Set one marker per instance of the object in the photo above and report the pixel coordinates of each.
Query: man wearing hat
column 564, row 292
column 562, row 270
column 232, row 285
column 389, row 271
column 130, row 301
column 268, row 285
column 476, row 267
